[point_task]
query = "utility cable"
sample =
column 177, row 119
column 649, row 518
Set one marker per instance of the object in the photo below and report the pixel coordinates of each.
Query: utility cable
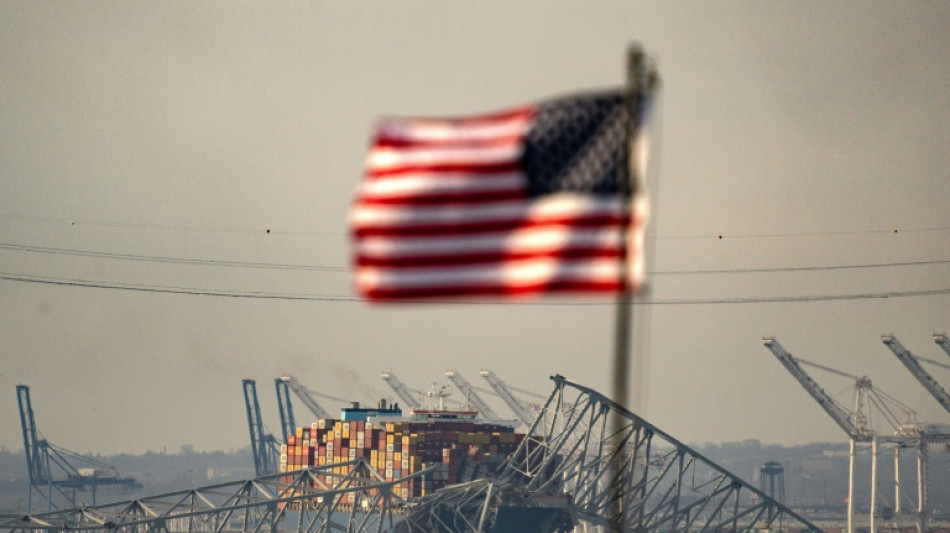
column 172, row 227
column 163, row 259
column 720, row 236
column 318, row 268
column 342, row 298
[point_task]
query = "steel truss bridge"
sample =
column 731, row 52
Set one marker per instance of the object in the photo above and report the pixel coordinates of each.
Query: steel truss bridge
column 587, row 465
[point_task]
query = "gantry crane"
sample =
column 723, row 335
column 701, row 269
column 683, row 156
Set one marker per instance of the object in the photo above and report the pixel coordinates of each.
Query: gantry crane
column 912, row 362
column 52, row 468
column 401, row 390
column 468, row 391
column 264, row 446
column 926, row 432
column 942, row 341
column 516, row 406
column 857, row 426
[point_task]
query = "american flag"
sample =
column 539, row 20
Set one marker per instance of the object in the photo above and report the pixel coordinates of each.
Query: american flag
column 506, row 204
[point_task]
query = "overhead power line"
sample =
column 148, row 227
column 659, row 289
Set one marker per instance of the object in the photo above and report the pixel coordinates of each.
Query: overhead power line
column 800, row 269
column 170, row 290
column 163, row 259
column 345, row 298
column 723, row 236
column 173, row 227
column 318, row 268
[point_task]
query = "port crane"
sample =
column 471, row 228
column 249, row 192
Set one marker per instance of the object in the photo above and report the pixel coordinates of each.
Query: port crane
column 468, row 391
column 264, row 447
column 912, row 363
column 856, row 424
column 401, row 390
column 503, row 391
column 54, row 471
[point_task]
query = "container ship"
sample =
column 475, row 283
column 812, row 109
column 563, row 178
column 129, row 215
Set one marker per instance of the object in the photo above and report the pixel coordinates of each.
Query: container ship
column 460, row 445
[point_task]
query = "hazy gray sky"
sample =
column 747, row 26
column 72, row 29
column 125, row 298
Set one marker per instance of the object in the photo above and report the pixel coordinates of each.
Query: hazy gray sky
column 803, row 133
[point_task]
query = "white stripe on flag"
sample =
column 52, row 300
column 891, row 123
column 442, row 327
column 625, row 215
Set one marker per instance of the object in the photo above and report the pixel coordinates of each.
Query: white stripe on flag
column 553, row 206
column 386, row 158
column 533, row 240
column 510, row 274
column 422, row 184
column 422, row 130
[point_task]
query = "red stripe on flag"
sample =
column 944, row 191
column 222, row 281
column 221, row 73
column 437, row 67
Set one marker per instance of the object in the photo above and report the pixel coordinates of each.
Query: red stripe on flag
column 483, row 227
column 383, row 295
column 462, row 258
column 403, row 143
column 446, row 199
column 476, row 169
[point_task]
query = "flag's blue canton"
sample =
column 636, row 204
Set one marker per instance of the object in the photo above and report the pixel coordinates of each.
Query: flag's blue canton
column 578, row 145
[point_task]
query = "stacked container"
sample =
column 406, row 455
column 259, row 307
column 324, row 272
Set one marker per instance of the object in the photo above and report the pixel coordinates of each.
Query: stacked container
column 461, row 451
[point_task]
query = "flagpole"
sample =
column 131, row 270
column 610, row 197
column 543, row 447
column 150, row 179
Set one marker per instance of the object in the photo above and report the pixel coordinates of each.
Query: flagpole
column 637, row 86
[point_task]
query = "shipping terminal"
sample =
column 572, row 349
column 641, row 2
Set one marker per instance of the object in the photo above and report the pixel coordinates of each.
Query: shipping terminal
column 577, row 461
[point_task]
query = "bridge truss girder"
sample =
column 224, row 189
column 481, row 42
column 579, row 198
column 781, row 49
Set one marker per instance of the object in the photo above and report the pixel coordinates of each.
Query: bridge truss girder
column 598, row 465
column 620, row 470
column 299, row 499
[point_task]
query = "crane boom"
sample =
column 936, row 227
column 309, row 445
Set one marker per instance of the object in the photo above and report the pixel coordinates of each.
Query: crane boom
column 942, row 341
column 401, row 390
column 833, row 408
column 288, row 425
column 305, row 397
column 263, row 460
column 468, row 391
column 499, row 386
column 35, row 459
column 913, row 365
